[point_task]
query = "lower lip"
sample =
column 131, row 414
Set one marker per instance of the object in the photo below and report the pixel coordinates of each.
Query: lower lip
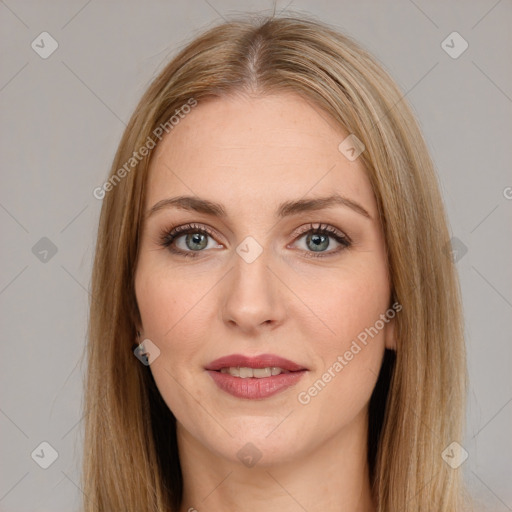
column 253, row 388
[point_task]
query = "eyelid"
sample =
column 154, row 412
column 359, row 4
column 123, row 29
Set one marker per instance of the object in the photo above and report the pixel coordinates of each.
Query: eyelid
column 320, row 226
column 173, row 232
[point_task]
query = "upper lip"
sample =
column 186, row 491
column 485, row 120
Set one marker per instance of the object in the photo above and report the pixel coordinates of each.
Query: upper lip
column 261, row 361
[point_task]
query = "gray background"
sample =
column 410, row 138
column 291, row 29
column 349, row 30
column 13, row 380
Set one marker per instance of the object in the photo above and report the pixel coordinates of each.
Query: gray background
column 62, row 118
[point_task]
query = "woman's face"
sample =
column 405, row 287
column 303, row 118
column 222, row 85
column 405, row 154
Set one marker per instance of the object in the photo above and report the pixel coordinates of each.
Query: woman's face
column 260, row 279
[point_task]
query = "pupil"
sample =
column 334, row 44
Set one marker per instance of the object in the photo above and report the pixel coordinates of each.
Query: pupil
column 198, row 239
column 319, row 241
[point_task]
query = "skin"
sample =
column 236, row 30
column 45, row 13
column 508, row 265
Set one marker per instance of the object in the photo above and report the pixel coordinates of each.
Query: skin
column 251, row 153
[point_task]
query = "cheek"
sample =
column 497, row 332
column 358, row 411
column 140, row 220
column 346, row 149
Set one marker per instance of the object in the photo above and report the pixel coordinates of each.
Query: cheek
column 168, row 300
column 177, row 309
column 172, row 312
column 349, row 338
column 343, row 303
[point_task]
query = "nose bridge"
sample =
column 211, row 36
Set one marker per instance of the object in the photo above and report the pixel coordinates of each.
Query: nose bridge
column 252, row 296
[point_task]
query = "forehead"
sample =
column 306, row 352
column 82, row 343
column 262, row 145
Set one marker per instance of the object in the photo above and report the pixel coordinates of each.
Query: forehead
column 242, row 150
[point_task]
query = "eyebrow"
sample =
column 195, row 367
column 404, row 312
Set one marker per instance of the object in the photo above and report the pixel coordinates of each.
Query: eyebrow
column 286, row 209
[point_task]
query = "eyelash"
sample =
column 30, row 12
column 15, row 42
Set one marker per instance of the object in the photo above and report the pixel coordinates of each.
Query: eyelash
column 168, row 236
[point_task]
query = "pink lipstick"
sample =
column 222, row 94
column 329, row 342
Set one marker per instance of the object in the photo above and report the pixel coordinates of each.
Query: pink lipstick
column 256, row 377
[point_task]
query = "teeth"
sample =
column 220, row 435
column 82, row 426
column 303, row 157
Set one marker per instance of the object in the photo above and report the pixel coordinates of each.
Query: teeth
column 258, row 373
column 234, row 371
column 262, row 372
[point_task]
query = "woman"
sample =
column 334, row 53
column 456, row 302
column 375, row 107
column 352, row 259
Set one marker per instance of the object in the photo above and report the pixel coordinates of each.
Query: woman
column 276, row 320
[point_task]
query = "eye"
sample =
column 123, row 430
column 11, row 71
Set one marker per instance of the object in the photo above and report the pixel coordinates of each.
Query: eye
column 317, row 240
column 195, row 240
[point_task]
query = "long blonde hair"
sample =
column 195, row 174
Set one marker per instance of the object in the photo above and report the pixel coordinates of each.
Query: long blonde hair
column 130, row 459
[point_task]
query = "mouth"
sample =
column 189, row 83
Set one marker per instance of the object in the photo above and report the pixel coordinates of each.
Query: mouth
column 254, row 377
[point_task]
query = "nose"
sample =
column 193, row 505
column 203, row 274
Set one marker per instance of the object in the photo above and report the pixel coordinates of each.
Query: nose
column 252, row 297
